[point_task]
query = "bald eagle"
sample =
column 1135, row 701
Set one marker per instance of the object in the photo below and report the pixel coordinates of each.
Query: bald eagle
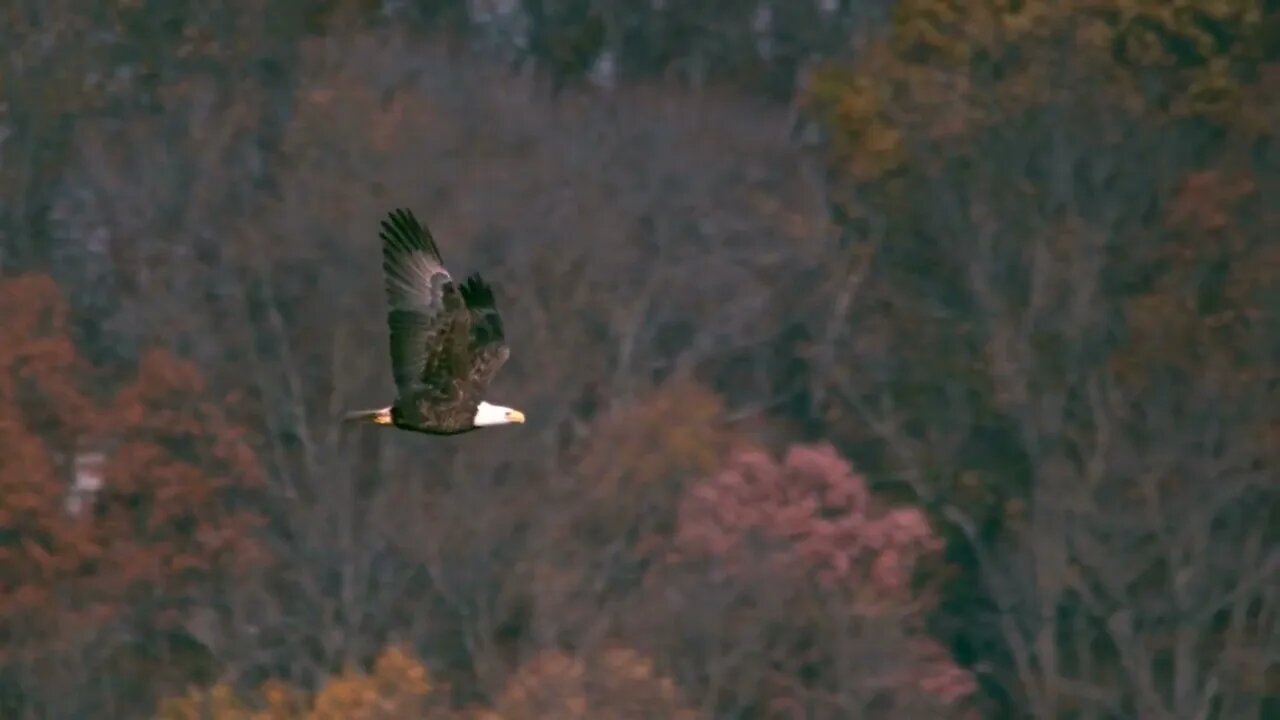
column 447, row 341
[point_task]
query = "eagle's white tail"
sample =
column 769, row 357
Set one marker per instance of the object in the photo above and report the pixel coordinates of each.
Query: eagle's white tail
column 381, row 416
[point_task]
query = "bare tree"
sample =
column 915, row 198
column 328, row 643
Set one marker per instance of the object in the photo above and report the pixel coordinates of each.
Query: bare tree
column 1079, row 392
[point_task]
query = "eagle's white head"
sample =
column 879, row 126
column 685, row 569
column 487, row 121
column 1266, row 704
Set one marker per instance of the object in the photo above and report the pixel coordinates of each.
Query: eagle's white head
column 488, row 415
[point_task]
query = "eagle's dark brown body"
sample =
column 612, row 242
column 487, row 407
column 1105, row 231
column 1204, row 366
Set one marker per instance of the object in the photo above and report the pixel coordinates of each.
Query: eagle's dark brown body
column 446, row 339
column 427, row 414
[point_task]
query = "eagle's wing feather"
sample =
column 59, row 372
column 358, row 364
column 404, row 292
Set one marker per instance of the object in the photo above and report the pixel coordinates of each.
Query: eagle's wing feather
column 488, row 347
column 426, row 313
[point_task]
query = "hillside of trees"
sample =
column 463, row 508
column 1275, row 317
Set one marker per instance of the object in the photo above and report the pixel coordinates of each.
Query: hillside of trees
column 899, row 360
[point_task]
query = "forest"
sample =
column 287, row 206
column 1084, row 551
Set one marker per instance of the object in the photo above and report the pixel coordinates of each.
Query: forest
column 891, row 360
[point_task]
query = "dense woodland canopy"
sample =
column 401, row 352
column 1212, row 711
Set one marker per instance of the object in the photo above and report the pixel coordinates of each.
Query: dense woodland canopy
column 882, row 359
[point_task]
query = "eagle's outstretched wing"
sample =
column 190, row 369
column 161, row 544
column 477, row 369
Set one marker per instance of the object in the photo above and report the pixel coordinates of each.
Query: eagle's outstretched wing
column 487, row 341
column 426, row 313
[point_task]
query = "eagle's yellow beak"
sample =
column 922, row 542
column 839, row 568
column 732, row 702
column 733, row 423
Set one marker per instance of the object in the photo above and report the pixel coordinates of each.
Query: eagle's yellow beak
column 515, row 416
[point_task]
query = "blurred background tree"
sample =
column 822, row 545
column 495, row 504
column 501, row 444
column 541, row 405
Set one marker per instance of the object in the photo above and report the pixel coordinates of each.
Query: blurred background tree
column 123, row 509
column 1084, row 365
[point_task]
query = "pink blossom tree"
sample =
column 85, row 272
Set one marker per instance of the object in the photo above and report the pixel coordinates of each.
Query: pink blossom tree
column 812, row 580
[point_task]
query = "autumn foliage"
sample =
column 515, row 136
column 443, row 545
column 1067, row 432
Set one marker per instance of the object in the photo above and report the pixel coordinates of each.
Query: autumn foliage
column 167, row 511
column 397, row 686
column 615, row 684
column 920, row 363
column 810, row 511
column 809, row 529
